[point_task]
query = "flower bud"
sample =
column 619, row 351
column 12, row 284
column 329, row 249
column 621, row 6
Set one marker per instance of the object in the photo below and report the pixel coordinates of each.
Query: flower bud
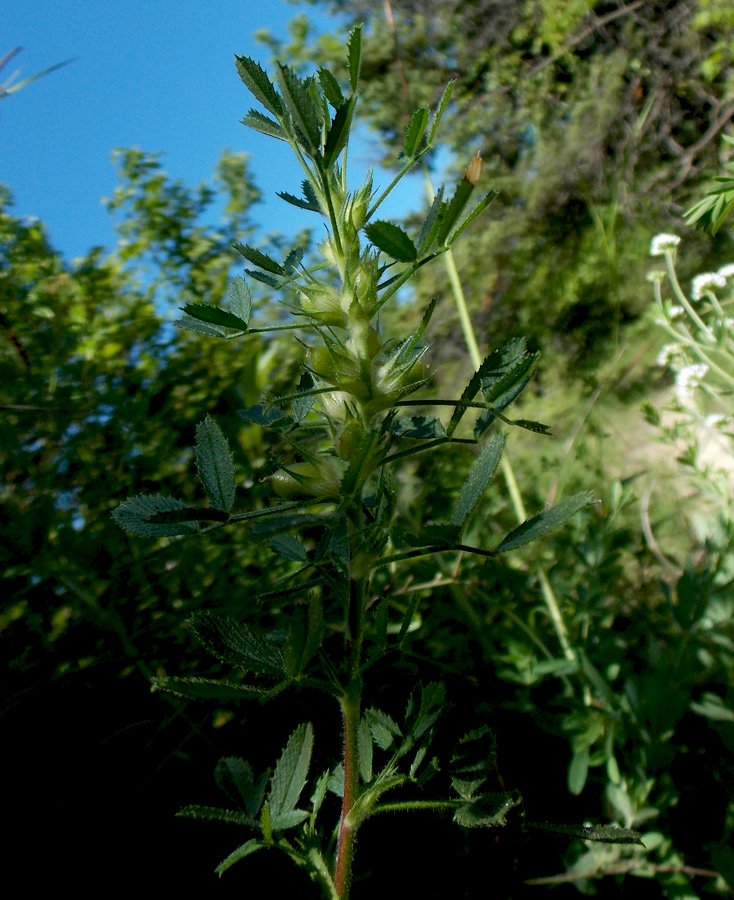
column 323, row 303
column 473, row 170
column 318, row 480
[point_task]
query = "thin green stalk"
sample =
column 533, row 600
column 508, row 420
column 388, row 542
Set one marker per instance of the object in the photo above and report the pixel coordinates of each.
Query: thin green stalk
column 551, row 602
column 683, row 300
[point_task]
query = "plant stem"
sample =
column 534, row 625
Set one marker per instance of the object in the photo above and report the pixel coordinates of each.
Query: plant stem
column 551, row 602
column 351, row 702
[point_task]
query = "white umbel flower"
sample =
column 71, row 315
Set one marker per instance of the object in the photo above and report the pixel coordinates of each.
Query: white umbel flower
column 727, row 271
column 703, row 283
column 663, row 242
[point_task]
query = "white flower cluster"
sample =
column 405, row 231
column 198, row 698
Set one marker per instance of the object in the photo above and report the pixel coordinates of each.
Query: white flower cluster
column 689, row 378
column 717, row 420
column 671, row 354
column 663, row 242
column 727, row 271
column 703, row 283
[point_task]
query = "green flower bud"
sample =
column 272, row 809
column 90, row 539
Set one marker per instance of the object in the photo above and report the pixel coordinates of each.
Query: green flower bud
column 323, row 303
column 306, row 479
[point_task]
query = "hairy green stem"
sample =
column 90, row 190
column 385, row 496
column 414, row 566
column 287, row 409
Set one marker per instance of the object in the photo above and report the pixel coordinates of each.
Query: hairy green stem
column 351, row 703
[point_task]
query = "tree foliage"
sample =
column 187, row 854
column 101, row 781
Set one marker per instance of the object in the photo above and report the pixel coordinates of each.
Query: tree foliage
column 596, row 122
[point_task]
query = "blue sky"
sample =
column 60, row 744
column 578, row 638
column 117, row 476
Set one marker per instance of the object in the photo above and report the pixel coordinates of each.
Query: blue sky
column 155, row 75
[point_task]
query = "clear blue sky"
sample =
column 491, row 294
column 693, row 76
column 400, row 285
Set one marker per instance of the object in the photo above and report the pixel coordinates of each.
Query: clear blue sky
column 155, row 75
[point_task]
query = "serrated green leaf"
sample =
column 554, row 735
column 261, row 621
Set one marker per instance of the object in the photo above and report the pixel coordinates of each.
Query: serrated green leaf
column 335, row 781
column 304, row 635
column 257, row 258
column 364, row 742
column 302, row 405
column 214, row 315
column 289, row 547
column 419, row 427
column 288, row 819
column 545, row 522
column 240, row 299
column 235, row 777
column 214, row 814
column 453, row 210
column 384, row 728
column 478, row 209
column 215, row 465
column 432, row 223
column 338, row 135
column 391, row 239
column 440, row 110
column 473, row 761
column 235, row 643
column 354, row 57
column 304, row 112
column 415, row 131
column 266, row 278
column 240, row 853
column 258, row 122
column 289, row 777
column 407, row 348
column 293, row 260
column 212, row 689
column 268, row 417
column 479, row 477
column 603, row 834
column 297, row 201
column 134, row 515
column 259, row 85
column 331, row 88
column 432, row 703
column 319, row 792
column 190, row 514
column 489, row 364
column 192, row 324
column 486, row 811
